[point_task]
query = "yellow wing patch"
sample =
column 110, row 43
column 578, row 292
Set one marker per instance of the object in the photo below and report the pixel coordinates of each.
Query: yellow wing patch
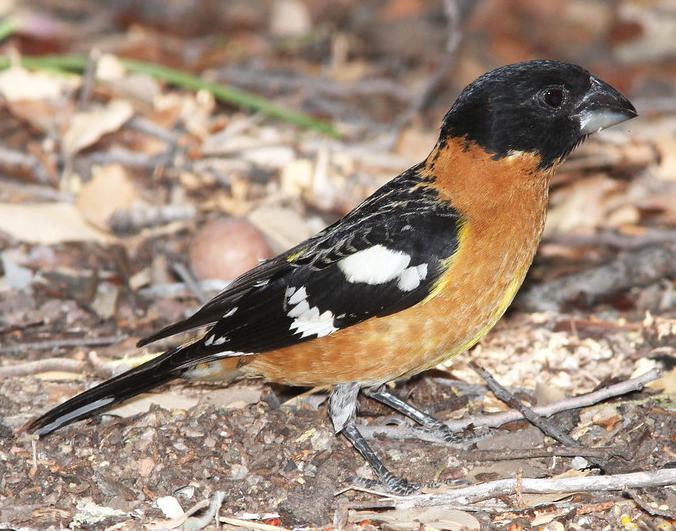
column 295, row 256
column 444, row 279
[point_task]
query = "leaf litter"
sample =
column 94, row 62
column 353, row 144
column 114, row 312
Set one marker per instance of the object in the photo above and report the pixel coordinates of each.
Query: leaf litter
column 81, row 152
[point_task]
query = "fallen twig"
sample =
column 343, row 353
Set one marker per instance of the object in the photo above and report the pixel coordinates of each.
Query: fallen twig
column 508, row 454
column 89, row 79
column 546, row 427
column 265, row 80
column 650, row 236
column 498, row 419
column 181, row 289
column 248, row 524
column 134, row 219
column 68, row 342
column 34, row 367
column 210, row 514
column 505, row 487
column 631, row 269
column 129, row 158
column 148, row 127
column 190, row 281
column 14, row 160
column 20, row 327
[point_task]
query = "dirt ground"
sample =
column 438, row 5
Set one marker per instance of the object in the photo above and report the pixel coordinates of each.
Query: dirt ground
column 129, row 193
column 280, row 462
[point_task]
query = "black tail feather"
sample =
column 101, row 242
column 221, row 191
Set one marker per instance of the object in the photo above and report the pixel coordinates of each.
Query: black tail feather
column 105, row 395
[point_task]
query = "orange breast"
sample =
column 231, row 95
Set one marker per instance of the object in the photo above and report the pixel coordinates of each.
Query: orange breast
column 503, row 203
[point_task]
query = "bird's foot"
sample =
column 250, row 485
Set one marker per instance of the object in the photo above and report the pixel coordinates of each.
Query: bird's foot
column 451, row 437
column 457, row 438
column 390, row 483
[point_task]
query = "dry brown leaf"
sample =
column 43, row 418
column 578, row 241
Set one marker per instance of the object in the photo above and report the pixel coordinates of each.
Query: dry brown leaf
column 170, row 506
column 59, row 376
column 44, row 115
column 86, row 128
column 666, row 384
column 109, row 189
column 582, row 204
column 47, row 223
column 18, row 84
column 283, row 227
column 296, row 177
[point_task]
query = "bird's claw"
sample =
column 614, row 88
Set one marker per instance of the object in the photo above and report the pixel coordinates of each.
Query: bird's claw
column 390, row 483
column 446, row 433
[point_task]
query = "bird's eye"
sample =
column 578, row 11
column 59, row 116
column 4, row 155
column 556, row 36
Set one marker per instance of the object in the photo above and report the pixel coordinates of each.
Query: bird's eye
column 552, row 97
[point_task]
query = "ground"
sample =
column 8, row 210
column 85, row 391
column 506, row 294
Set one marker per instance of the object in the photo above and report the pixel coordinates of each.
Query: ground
column 130, row 192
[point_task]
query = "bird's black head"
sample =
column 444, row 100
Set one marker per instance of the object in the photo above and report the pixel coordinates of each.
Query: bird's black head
column 545, row 107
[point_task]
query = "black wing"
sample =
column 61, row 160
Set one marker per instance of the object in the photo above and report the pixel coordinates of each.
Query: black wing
column 384, row 256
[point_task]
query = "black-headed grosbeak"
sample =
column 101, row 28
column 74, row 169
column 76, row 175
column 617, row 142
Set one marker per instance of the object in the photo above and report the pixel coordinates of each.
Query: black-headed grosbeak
column 417, row 273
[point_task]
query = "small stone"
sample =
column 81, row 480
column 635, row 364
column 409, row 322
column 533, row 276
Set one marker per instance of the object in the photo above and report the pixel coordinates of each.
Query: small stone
column 579, row 463
column 169, row 506
column 238, row 472
column 226, row 248
column 146, row 466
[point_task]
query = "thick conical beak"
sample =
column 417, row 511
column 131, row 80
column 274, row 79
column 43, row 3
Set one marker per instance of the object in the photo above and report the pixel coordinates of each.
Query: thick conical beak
column 602, row 107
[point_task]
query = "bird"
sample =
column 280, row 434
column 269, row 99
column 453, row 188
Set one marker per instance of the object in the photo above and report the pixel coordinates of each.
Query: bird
column 417, row 273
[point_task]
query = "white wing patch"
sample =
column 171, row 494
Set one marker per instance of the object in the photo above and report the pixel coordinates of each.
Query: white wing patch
column 411, row 277
column 307, row 320
column 231, row 312
column 213, row 340
column 378, row 264
column 375, row 265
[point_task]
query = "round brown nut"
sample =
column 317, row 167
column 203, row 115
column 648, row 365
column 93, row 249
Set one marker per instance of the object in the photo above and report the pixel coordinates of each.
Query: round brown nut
column 226, row 248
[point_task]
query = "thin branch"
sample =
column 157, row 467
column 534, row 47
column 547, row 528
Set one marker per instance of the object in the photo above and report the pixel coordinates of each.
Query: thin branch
column 650, row 236
column 62, row 343
column 508, row 454
column 195, row 522
column 248, row 524
column 181, row 289
column 20, row 327
column 48, row 364
column 497, row 420
column 544, row 425
column 150, row 128
column 89, row 79
column 505, row 487
column 138, row 217
column 187, row 277
column 265, row 80
column 25, row 162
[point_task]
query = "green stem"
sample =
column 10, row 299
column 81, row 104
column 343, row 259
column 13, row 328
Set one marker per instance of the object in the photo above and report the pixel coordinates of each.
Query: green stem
column 7, row 28
column 223, row 93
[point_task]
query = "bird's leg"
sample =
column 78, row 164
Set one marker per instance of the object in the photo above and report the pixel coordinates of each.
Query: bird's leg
column 385, row 397
column 343, row 409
